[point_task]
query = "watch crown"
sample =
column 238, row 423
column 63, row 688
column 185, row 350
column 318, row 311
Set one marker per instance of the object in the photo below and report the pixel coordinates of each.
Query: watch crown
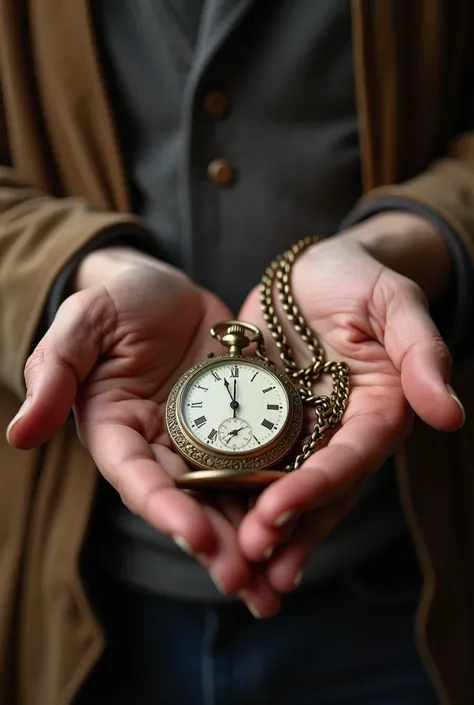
column 236, row 328
column 235, row 339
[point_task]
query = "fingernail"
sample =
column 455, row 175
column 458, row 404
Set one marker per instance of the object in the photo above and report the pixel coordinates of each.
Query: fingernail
column 297, row 580
column 268, row 553
column 457, row 400
column 283, row 518
column 252, row 609
column 20, row 413
column 217, row 583
column 184, row 546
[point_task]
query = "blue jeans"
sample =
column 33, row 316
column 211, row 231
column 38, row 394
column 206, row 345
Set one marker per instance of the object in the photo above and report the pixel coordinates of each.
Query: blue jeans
column 347, row 642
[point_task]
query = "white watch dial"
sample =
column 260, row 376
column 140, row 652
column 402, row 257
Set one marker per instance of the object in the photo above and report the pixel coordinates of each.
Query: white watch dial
column 234, row 406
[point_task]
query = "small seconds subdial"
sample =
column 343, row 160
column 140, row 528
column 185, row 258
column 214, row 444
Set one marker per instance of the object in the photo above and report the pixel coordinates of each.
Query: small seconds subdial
column 239, row 395
column 235, row 433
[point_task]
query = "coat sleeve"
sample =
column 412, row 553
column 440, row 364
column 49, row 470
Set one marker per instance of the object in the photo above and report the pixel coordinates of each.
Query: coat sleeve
column 39, row 235
column 446, row 188
column 444, row 194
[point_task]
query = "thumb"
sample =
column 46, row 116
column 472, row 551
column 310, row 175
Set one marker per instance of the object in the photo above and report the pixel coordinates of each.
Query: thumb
column 60, row 362
column 420, row 354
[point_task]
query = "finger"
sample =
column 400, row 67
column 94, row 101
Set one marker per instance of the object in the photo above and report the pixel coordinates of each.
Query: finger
column 232, row 574
column 229, row 570
column 60, row 362
column 353, row 453
column 284, row 572
column 235, row 512
column 260, row 545
column 416, row 348
column 232, row 507
column 260, row 598
column 143, row 478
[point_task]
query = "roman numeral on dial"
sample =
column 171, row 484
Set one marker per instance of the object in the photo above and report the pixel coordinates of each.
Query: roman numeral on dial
column 197, row 405
column 200, row 421
column 268, row 424
column 272, row 407
column 216, row 376
column 234, row 371
column 268, row 389
column 212, row 436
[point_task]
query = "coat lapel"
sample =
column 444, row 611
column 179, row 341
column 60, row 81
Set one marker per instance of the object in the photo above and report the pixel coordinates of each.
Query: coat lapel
column 219, row 19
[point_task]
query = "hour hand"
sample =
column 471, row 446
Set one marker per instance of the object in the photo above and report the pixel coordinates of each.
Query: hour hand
column 234, row 403
column 236, row 431
column 232, row 434
column 227, row 386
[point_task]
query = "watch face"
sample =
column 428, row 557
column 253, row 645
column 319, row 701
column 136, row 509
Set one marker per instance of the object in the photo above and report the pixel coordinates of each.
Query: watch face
column 233, row 406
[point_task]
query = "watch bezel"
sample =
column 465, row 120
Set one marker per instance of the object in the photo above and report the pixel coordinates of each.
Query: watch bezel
column 201, row 456
column 188, row 432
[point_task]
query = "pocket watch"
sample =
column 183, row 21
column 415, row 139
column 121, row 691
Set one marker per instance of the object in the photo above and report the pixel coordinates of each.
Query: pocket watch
column 236, row 418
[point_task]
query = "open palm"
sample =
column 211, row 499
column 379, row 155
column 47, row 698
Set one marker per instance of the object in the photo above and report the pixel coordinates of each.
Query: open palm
column 113, row 353
column 378, row 323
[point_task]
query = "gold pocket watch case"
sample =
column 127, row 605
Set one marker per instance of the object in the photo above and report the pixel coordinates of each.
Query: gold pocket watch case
column 233, row 418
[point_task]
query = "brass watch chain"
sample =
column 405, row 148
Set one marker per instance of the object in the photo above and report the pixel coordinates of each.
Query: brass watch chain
column 328, row 409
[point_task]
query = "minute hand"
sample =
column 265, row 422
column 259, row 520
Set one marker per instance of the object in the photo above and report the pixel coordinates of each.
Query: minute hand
column 228, row 389
column 234, row 403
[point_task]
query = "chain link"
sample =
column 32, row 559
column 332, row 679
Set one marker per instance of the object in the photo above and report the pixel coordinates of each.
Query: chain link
column 328, row 409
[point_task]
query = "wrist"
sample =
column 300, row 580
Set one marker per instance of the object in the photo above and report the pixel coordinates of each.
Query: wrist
column 106, row 262
column 410, row 245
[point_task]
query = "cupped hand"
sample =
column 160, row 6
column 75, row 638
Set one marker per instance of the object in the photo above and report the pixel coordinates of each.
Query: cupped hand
column 377, row 321
column 113, row 352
